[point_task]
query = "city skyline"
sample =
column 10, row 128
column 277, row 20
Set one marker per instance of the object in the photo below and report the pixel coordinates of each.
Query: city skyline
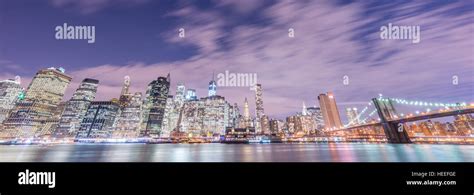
column 366, row 95
column 251, row 37
column 38, row 111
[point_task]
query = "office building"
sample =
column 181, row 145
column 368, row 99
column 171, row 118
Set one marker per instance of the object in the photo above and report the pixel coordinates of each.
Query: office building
column 154, row 107
column 42, row 98
column 99, row 120
column 76, row 108
column 327, row 103
column 10, row 92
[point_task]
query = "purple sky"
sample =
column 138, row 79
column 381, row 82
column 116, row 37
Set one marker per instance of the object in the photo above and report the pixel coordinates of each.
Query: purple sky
column 139, row 38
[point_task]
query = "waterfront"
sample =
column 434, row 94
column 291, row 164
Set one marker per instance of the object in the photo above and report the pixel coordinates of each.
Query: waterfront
column 324, row 152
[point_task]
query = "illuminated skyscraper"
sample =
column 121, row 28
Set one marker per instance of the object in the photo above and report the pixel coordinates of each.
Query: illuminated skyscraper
column 259, row 112
column 236, row 117
column 125, row 95
column 206, row 116
column 212, row 87
column 191, row 94
column 247, row 120
column 216, row 116
column 180, row 94
column 58, row 112
column 48, row 86
column 10, row 92
column 126, row 86
column 328, row 106
column 300, row 124
column 291, row 124
column 265, row 124
column 154, row 107
column 315, row 113
column 276, row 126
column 42, row 97
column 129, row 122
column 76, row 108
column 192, row 117
column 170, row 118
column 351, row 114
column 174, row 106
column 99, row 120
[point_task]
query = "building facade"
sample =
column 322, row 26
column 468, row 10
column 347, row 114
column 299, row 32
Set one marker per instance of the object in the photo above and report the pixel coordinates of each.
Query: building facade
column 125, row 95
column 42, row 98
column 99, row 120
column 76, row 108
column 206, row 116
column 262, row 125
column 154, row 107
column 130, row 118
column 329, row 110
column 10, row 92
column 315, row 113
column 212, row 89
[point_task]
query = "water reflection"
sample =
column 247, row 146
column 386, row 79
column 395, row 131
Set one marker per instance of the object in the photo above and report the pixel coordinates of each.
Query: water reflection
column 332, row 152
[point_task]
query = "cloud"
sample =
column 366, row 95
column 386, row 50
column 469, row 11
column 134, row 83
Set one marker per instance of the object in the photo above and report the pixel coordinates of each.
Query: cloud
column 332, row 41
column 92, row 6
column 201, row 29
column 240, row 6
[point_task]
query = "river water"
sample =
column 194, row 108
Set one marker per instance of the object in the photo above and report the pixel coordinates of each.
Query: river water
column 327, row 152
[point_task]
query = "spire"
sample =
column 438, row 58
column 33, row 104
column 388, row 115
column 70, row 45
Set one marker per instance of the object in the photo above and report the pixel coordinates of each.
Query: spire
column 304, row 111
column 168, row 77
column 126, row 85
column 246, row 110
column 212, row 87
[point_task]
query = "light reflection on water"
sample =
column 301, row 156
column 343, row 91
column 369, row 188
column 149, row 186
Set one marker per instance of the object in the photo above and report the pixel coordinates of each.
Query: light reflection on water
column 332, row 152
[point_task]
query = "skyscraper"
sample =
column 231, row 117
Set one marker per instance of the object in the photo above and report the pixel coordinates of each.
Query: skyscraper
column 125, row 95
column 10, row 92
column 48, row 86
column 191, row 94
column 174, row 106
column 216, row 116
column 206, row 116
column 99, row 120
column 265, row 124
column 180, row 94
column 276, row 126
column 126, row 85
column 259, row 112
column 247, row 120
column 315, row 113
column 212, row 87
column 236, row 117
column 154, row 107
column 170, row 119
column 328, row 106
column 352, row 118
column 42, row 97
column 76, row 108
column 130, row 118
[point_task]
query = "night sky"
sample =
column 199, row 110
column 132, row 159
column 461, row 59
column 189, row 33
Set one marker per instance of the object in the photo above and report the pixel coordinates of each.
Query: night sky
column 332, row 39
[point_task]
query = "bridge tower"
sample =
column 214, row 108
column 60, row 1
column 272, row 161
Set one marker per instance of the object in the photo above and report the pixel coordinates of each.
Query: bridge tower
column 394, row 132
